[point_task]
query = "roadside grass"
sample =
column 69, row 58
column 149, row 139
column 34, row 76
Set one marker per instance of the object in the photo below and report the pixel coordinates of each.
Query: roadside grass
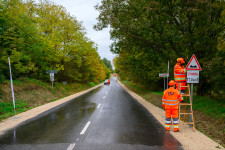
column 212, row 107
column 209, row 114
column 30, row 93
column 7, row 109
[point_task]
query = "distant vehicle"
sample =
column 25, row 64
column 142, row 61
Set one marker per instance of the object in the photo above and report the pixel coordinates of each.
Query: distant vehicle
column 106, row 82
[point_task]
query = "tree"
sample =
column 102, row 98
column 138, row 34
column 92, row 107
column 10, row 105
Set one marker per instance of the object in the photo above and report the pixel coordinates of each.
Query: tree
column 44, row 36
column 107, row 63
column 147, row 34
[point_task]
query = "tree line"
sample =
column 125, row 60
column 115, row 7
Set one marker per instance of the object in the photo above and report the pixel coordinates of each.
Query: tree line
column 149, row 33
column 44, row 36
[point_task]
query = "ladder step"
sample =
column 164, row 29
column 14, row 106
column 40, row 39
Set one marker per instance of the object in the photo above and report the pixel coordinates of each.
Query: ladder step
column 185, row 113
column 184, row 86
column 185, row 94
column 187, row 122
column 182, row 110
column 185, row 104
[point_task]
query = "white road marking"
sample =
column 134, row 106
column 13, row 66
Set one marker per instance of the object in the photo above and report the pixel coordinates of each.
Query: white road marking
column 85, row 128
column 99, row 105
column 71, row 146
column 77, row 139
column 103, row 97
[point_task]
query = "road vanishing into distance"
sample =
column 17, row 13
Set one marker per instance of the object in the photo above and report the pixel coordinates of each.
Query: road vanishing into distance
column 107, row 118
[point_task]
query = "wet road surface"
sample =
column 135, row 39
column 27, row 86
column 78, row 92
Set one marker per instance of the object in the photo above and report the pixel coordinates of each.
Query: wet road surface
column 107, row 118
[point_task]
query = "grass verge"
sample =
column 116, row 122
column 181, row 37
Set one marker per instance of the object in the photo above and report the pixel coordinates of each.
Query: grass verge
column 209, row 114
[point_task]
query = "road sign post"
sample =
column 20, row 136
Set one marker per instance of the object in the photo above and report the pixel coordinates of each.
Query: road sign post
column 14, row 105
column 193, row 68
column 164, row 75
column 51, row 73
column 168, row 75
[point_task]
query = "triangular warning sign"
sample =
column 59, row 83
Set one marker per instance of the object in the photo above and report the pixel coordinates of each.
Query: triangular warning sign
column 193, row 64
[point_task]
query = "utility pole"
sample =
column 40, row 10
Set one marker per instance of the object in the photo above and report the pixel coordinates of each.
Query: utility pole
column 14, row 105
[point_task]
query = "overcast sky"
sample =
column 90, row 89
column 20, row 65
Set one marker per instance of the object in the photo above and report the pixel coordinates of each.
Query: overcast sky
column 85, row 12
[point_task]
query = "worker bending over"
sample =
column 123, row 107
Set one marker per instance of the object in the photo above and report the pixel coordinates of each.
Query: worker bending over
column 108, row 81
column 170, row 102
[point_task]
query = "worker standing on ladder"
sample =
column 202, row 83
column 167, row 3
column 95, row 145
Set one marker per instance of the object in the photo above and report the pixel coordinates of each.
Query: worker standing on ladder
column 180, row 75
column 170, row 102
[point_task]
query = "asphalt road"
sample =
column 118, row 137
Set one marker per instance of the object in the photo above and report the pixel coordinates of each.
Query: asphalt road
column 107, row 118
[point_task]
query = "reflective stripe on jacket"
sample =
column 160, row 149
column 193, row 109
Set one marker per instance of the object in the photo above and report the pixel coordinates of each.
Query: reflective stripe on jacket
column 179, row 73
column 171, row 98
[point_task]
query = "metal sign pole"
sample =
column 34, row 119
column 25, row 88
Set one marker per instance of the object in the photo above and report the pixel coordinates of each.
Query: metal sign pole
column 164, row 83
column 12, row 86
column 52, row 84
column 191, row 100
column 168, row 75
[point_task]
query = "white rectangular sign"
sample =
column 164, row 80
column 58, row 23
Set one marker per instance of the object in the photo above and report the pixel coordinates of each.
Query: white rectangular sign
column 51, row 76
column 164, row 75
column 192, row 76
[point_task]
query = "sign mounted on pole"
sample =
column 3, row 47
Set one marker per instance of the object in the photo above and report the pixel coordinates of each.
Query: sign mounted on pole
column 164, row 75
column 192, row 76
column 51, row 76
column 51, row 73
column 193, row 69
column 193, row 64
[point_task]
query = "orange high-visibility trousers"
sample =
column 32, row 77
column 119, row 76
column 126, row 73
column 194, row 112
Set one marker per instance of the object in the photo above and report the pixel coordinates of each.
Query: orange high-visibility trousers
column 174, row 114
column 178, row 84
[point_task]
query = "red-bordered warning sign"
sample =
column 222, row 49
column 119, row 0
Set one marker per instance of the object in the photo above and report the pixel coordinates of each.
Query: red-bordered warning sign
column 193, row 64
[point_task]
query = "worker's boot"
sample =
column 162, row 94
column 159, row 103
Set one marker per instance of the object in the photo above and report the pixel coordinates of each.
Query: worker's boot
column 182, row 92
column 167, row 128
column 176, row 129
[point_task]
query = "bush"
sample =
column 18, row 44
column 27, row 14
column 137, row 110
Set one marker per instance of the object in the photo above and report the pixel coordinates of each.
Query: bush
column 2, row 78
column 92, row 84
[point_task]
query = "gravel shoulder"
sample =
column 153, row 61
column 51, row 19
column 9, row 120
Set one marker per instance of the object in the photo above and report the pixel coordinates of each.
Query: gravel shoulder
column 189, row 139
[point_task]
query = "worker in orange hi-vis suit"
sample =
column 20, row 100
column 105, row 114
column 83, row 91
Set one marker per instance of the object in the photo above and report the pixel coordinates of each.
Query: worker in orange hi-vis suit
column 180, row 75
column 108, row 81
column 170, row 102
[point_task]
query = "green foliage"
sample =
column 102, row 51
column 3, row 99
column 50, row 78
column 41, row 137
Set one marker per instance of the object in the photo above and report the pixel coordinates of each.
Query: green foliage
column 44, row 36
column 148, row 34
column 92, row 84
column 107, row 63
column 2, row 78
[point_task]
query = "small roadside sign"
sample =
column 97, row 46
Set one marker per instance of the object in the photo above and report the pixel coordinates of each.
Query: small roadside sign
column 164, row 75
column 193, row 64
column 192, row 76
column 51, row 76
column 51, row 71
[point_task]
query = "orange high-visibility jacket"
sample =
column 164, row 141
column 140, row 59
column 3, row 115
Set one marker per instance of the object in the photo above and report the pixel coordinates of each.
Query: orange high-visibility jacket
column 171, row 98
column 179, row 73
